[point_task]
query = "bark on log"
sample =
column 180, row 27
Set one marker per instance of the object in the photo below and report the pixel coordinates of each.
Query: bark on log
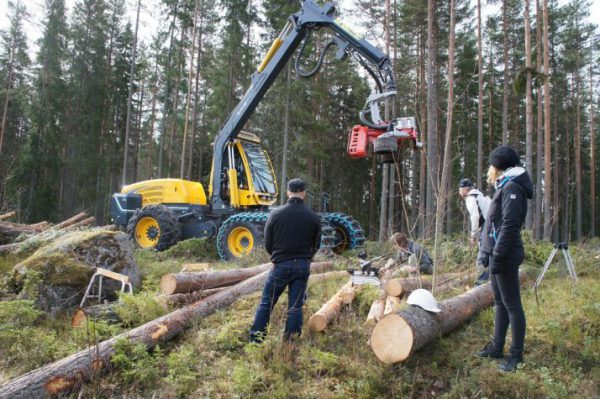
column 40, row 226
column 328, row 312
column 178, row 283
column 400, row 286
column 8, row 228
column 195, row 267
column 8, row 215
column 104, row 311
column 67, row 374
column 177, row 300
column 70, row 221
column 398, row 335
column 9, row 247
column 84, row 222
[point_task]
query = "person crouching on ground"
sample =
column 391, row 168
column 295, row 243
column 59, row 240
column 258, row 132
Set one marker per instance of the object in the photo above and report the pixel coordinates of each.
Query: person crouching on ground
column 477, row 205
column 292, row 238
column 416, row 255
column 502, row 249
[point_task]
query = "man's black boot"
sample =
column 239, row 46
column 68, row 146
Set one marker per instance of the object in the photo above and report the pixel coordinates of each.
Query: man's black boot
column 490, row 351
column 512, row 361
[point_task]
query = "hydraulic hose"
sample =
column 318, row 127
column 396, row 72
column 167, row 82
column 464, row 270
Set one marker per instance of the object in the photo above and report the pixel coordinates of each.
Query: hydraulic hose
column 316, row 69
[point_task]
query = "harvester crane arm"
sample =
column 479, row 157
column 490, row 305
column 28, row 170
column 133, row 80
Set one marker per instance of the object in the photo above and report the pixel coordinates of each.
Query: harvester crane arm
column 311, row 16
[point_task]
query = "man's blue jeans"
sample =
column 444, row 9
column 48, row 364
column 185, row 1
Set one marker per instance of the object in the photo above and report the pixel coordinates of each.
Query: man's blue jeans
column 290, row 273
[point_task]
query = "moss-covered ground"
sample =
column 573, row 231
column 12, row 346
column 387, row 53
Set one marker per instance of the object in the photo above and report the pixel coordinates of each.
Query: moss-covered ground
column 213, row 358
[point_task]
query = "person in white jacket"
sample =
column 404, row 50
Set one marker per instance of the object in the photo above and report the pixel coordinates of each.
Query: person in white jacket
column 477, row 205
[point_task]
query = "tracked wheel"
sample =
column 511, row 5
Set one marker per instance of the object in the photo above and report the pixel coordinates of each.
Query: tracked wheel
column 240, row 234
column 347, row 232
column 154, row 226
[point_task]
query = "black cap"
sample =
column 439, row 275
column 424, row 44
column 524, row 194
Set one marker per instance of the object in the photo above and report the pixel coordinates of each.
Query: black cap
column 296, row 186
column 504, row 157
column 464, row 183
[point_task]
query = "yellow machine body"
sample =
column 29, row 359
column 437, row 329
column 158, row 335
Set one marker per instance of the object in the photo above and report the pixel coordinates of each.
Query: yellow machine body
column 168, row 191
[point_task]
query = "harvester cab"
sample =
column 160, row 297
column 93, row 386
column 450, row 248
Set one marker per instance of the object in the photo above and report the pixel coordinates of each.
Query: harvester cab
column 159, row 213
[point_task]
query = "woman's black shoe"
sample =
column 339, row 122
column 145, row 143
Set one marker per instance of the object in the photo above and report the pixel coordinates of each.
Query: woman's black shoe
column 511, row 362
column 490, row 351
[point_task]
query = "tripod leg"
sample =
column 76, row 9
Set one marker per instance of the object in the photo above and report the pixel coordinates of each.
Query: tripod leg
column 545, row 269
column 570, row 265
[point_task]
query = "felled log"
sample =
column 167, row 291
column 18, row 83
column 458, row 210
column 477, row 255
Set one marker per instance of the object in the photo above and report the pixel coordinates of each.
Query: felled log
column 375, row 312
column 41, row 225
column 398, row 335
column 104, row 311
column 9, row 247
column 178, row 283
column 195, row 267
column 70, row 221
column 84, row 222
column 397, row 286
column 176, row 300
column 14, row 229
column 8, row 215
column 67, row 374
column 327, row 312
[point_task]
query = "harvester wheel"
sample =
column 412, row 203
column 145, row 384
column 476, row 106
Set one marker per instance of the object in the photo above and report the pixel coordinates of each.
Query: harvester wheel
column 240, row 234
column 348, row 233
column 154, row 226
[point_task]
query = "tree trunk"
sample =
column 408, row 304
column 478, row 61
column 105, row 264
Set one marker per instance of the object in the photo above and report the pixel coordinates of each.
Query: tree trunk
column 188, row 99
column 505, row 133
column 399, row 335
column 547, row 131
column 391, row 213
column 538, row 223
column 196, row 97
column 177, row 283
column 528, row 111
column 431, row 118
column 7, row 99
column 592, row 159
column 577, row 149
column 384, row 199
column 175, row 104
column 329, row 311
column 372, row 197
column 130, row 96
column 479, row 100
column 443, row 189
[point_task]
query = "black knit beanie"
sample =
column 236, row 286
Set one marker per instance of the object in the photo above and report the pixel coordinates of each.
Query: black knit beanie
column 504, row 157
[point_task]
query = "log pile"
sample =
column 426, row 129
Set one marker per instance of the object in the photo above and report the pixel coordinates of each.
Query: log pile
column 68, row 374
column 400, row 334
column 9, row 230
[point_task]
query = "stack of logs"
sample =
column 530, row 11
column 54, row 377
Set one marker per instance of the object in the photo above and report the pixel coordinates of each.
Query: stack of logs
column 10, row 230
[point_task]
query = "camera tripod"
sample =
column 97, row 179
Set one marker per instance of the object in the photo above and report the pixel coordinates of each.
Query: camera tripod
column 564, row 247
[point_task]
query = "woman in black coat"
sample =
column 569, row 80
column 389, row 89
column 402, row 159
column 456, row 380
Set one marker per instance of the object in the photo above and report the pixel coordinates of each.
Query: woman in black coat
column 502, row 249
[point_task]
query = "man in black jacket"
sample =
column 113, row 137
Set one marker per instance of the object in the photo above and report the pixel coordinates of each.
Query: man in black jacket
column 292, row 238
column 502, row 248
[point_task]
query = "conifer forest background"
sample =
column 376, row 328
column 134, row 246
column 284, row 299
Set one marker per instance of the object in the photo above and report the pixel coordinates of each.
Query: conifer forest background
column 474, row 74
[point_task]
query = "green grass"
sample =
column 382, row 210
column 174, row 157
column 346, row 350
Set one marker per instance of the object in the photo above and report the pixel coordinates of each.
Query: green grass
column 213, row 359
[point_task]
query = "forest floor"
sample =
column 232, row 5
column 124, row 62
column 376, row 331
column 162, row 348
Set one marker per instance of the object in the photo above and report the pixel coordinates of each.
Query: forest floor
column 213, row 358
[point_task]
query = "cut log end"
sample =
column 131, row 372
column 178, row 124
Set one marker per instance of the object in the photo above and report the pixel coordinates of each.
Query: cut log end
column 392, row 339
column 394, row 287
column 317, row 323
column 168, row 284
column 79, row 318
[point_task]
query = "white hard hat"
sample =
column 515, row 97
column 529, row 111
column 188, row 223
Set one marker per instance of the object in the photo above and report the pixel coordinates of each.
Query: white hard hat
column 423, row 299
